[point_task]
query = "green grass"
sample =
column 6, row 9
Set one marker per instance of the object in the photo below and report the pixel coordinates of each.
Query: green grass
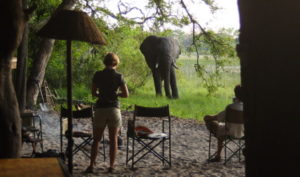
column 194, row 101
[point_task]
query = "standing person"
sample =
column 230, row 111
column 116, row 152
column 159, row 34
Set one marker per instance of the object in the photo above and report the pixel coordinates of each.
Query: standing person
column 215, row 123
column 107, row 85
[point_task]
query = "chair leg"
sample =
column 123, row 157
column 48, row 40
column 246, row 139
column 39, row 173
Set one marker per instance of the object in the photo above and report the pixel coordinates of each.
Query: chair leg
column 80, row 147
column 127, row 150
column 33, row 148
column 150, row 149
column 236, row 152
column 239, row 150
column 209, row 146
column 42, row 144
column 132, row 164
column 103, row 145
column 163, row 151
column 225, row 151
column 170, row 162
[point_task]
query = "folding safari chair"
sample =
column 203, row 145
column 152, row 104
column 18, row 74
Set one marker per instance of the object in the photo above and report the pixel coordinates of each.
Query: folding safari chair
column 31, row 133
column 84, row 137
column 210, row 156
column 148, row 143
column 234, row 142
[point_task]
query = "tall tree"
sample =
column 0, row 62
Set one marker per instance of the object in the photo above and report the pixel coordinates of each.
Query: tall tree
column 41, row 60
column 21, row 70
column 12, row 22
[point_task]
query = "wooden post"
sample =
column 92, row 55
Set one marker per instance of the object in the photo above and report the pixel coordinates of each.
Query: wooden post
column 269, row 53
column 69, row 100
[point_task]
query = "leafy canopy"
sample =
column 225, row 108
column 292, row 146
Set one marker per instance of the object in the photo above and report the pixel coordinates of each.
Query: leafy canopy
column 125, row 24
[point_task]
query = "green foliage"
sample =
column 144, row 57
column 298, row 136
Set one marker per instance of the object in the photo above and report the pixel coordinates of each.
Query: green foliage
column 125, row 42
column 211, row 4
column 124, row 38
column 133, row 64
column 219, row 48
column 87, row 59
column 44, row 9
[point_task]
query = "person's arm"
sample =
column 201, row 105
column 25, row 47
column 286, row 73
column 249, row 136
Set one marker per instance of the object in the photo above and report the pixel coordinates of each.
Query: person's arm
column 124, row 91
column 94, row 90
column 221, row 116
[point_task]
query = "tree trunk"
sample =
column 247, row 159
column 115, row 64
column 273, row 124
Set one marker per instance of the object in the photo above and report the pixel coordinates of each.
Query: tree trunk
column 12, row 21
column 38, row 69
column 41, row 60
column 21, row 70
column 269, row 53
column 10, row 127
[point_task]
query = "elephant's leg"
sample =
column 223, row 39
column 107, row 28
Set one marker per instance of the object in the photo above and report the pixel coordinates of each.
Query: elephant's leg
column 173, row 83
column 157, row 82
column 167, row 83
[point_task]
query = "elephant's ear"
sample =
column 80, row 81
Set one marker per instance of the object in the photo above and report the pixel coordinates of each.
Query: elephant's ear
column 177, row 48
column 149, row 50
column 148, row 45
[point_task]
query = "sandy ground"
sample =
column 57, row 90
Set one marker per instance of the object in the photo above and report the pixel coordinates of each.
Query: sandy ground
column 189, row 152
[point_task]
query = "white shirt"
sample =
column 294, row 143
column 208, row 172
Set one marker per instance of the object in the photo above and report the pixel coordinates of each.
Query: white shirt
column 235, row 130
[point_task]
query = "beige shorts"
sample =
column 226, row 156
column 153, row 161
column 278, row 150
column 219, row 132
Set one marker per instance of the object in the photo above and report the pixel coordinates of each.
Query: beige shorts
column 107, row 116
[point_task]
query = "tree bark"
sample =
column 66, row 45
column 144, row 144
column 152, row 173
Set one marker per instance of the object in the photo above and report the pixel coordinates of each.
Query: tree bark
column 40, row 62
column 12, row 21
column 21, row 70
column 38, row 69
column 269, row 53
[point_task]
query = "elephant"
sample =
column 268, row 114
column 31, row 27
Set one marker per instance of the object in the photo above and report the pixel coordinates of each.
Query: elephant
column 161, row 54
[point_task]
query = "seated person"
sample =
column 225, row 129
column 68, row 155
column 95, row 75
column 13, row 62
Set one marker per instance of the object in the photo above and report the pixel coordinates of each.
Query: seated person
column 216, row 123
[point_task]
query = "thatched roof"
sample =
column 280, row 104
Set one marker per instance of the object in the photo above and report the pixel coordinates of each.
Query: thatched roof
column 72, row 25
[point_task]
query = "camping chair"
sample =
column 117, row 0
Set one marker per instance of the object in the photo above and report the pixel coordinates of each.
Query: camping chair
column 148, row 142
column 84, row 137
column 30, row 132
column 234, row 140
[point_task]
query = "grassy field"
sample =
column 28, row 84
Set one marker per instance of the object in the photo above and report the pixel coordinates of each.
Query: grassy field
column 194, row 101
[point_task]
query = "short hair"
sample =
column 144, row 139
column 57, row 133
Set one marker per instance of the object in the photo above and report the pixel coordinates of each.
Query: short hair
column 111, row 59
column 238, row 92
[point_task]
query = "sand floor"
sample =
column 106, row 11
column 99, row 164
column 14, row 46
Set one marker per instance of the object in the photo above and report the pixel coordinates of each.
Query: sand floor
column 189, row 152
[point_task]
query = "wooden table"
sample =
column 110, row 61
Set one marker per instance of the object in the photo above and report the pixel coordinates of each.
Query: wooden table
column 32, row 167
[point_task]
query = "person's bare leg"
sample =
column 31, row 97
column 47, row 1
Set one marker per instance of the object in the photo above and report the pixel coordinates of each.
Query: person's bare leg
column 220, row 147
column 211, row 123
column 113, row 145
column 217, row 157
column 94, row 151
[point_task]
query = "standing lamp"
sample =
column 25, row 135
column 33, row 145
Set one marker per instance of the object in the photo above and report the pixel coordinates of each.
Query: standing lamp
column 71, row 25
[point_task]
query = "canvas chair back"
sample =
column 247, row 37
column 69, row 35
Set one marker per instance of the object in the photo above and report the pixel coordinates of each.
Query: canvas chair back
column 149, row 142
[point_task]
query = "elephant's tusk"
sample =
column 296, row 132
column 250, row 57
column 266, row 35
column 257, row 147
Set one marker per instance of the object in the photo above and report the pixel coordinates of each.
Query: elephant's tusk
column 174, row 65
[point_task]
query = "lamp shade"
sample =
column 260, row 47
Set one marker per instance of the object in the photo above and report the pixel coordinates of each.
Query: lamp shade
column 72, row 25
